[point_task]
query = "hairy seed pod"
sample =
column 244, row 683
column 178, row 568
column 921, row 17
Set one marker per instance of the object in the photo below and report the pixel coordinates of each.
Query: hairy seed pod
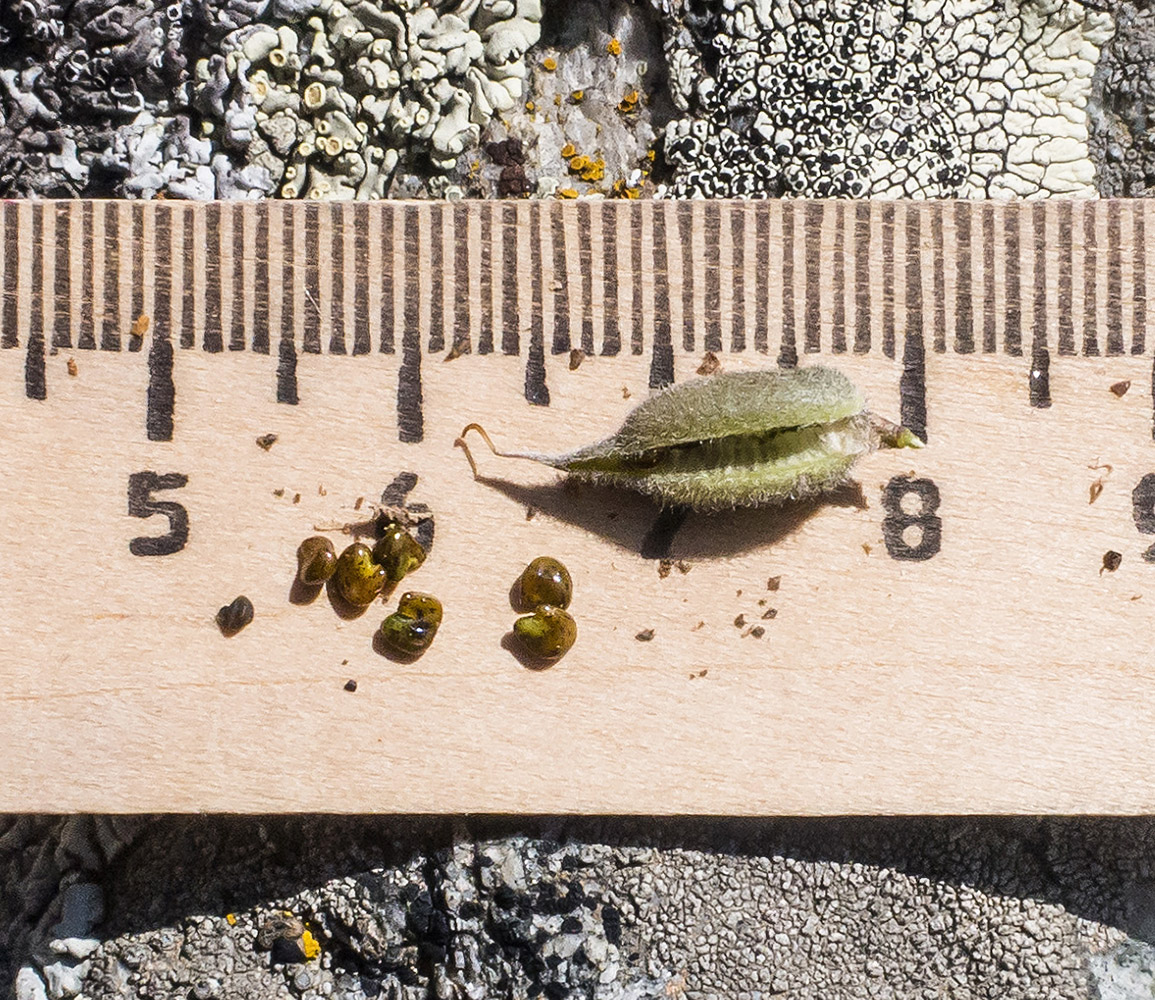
column 735, row 439
column 545, row 581
column 546, row 634
column 316, row 561
column 358, row 578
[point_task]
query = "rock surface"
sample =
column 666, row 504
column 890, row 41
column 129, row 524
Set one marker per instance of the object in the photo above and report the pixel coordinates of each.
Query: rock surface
column 633, row 908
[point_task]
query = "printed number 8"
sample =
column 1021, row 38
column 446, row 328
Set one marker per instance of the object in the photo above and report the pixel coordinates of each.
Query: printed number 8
column 897, row 520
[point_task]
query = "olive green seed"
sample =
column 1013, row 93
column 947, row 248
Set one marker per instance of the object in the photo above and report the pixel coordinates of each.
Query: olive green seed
column 398, row 552
column 358, row 577
column 545, row 581
column 407, row 636
column 421, row 607
column 546, row 634
column 235, row 616
column 316, row 560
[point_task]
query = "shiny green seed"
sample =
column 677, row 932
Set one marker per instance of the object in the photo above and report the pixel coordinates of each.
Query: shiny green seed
column 546, row 634
column 316, row 560
column 545, row 581
column 358, row 578
column 421, row 607
column 407, row 636
column 398, row 552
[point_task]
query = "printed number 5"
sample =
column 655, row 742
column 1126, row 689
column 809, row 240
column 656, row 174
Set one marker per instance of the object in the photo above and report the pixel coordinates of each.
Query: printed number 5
column 141, row 486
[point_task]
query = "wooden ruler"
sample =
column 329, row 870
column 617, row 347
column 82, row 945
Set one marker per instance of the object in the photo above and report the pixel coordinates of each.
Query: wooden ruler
column 976, row 638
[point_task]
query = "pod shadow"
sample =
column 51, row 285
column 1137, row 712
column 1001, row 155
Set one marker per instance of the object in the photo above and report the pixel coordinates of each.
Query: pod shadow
column 639, row 524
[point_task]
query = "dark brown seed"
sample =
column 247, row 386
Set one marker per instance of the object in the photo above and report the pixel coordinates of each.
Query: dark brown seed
column 266, row 441
column 350, row 685
column 234, row 617
column 1120, row 388
column 1112, row 560
column 645, row 636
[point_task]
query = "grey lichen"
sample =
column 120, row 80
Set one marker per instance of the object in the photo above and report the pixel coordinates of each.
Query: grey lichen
column 860, row 98
column 325, row 100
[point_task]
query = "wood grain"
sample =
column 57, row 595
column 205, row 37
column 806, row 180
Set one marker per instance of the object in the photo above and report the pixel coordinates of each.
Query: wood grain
column 1007, row 673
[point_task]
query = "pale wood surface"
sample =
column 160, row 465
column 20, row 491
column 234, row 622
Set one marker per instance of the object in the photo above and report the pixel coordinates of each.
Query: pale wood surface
column 1005, row 674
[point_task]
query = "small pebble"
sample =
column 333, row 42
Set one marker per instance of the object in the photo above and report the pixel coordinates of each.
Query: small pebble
column 350, row 685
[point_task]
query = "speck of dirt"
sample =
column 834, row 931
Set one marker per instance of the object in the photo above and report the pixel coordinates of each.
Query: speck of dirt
column 664, row 568
column 702, row 624
column 530, row 512
column 460, row 346
column 740, row 621
column 357, row 505
column 866, row 548
column 738, row 592
column 1120, row 388
column 710, row 364
column 296, row 498
column 350, row 685
column 139, row 326
column 1112, row 560
column 683, row 566
column 321, row 491
column 576, row 357
column 625, row 392
column 769, row 613
column 645, row 635
column 1096, row 489
column 774, row 583
column 266, row 441
column 72, row 369
column 757, row 631
column 278, row 493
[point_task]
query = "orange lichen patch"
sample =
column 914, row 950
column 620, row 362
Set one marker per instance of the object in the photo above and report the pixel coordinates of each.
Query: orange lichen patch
column 231, row 919
column 577, row 95
column 310, row 946
column 578, row 163
column 614, row 47
column 621, row 189
column 139, row 326
column 590, row 170
column 549, row 64
column 650, row 155
column 566, row 193
column 557, row 100
column 629, row 102
column 530, row 106
column 568, row 150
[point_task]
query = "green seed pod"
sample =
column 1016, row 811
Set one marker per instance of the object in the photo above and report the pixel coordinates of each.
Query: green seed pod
column 546, row 634
column 411, row 628
column 545, row 581
column 316, row 560
column 735, row 439
column 398, row 552
column 358, row 578
column 235, row 616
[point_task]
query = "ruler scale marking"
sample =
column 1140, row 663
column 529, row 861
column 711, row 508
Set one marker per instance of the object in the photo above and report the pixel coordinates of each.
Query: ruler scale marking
column 85, row 328
column 36, row 299
column 536, row 390
column 388, row 276
column 812, row 255
column 662, row 346
column 1039, row 270
column 9, row 337
column 964, row 332
column 162, row 272
column 410, row 416
column 1114, row 280
column 912, row 383
column 1065, row 303
column 510, row 306
column 1090, row 281
column 287, row 388
column 311, row 307
column 990, row 328
column 188, row 292
column 862, row 319
column 213, row 337
column 738, row 270
column 461, row 280
column 361, row 340
column 887, row 245
column 336, row 271
column 838, row 290
column 261, row 290
column 712, row 274
column 762, row 282
column 1139, row 280
column 788, row 351
column 561, row 298
column 62, row 279
column 485, row 337
column 611, row 331
column 938, row 253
